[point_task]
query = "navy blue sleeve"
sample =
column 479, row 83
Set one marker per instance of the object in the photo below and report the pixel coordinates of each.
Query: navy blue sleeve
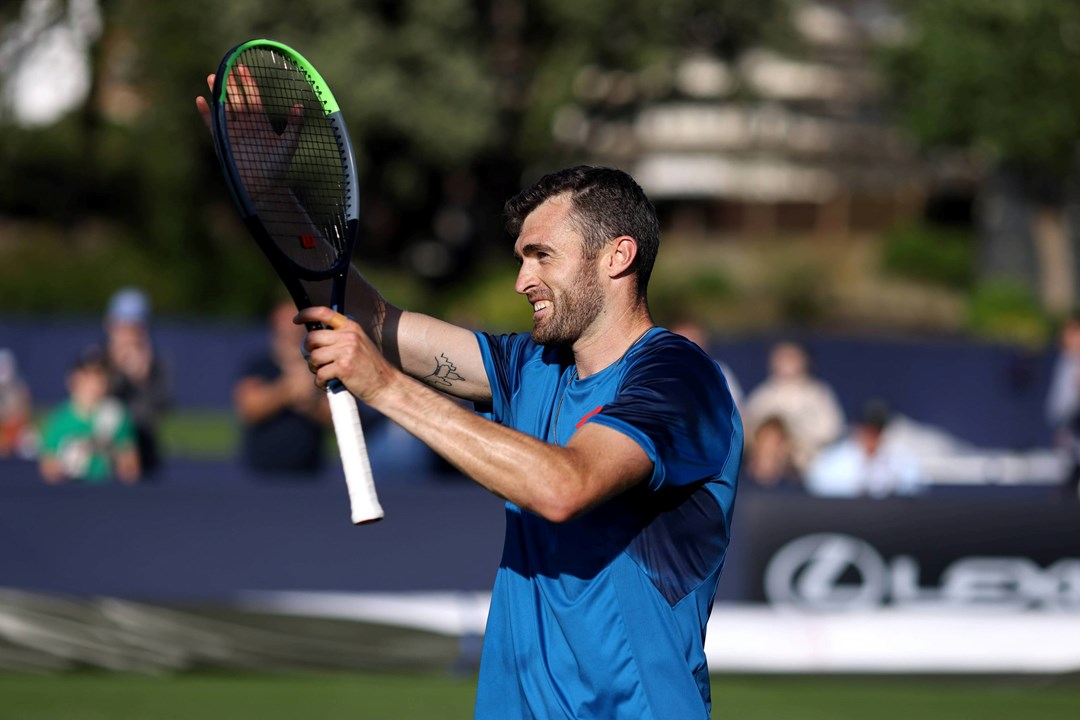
column 675, row 403
column 502, row 360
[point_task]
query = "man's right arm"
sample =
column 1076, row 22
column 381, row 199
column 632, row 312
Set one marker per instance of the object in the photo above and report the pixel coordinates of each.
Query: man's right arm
column 435, row 352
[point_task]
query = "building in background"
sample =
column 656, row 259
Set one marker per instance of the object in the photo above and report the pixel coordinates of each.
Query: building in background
column 774, row 143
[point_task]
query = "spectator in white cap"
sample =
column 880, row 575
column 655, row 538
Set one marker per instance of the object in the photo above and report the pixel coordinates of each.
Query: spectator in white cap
column 137, row 376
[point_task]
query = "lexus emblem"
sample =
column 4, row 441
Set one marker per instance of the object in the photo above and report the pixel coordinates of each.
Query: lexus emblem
column 826, row 572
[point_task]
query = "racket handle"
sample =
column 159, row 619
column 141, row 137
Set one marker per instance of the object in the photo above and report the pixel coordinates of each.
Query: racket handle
column 354, row 457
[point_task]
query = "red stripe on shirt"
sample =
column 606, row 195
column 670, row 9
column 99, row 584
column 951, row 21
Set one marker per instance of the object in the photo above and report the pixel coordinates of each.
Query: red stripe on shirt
column 587, row 416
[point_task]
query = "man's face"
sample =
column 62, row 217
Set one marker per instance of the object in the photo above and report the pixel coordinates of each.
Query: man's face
column 788, row 362
column 563, row 286
column 1070, row 338
column 286, row 337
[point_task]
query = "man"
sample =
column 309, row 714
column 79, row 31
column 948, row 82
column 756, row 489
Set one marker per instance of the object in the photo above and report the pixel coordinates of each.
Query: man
column 1063, row 403
column 137, row 374
column 90, row 438
column 807, row 405
column 866, row 463
column 285, row 418
column 617, row 448
column 615, row 443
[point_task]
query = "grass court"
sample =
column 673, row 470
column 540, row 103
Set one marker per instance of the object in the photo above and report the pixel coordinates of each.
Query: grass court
column 93, row 696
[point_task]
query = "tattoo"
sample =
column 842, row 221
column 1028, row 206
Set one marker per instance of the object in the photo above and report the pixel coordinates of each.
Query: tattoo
column 445, row 373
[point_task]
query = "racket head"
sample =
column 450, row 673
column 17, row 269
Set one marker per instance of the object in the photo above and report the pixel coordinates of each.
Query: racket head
column 288, row 161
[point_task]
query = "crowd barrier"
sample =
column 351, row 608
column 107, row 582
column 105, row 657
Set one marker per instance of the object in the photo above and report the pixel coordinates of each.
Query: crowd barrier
column 211, row 530
column 958, row 580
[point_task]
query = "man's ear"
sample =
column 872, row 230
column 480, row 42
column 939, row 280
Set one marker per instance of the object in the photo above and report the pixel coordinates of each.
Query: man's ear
column 621, row 255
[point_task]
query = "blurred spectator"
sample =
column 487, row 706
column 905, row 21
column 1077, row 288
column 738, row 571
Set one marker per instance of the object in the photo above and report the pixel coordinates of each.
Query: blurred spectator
column 864, row 463
column 696, row 334
column 284, row 416
column 769, row 464
column 137, row 377
column 91, row 437
column 1063, row 402
column 806, row 405
column 17, row 436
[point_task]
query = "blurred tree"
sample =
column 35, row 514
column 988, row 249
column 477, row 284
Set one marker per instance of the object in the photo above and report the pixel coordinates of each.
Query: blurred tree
column 450, row 102
column 999, row 77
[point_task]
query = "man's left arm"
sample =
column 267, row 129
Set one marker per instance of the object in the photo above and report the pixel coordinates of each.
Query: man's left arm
column 557, row 483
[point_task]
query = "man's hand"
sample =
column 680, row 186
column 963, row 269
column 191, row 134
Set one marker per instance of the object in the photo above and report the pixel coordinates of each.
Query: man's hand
column 342, row 351
column 262, row 155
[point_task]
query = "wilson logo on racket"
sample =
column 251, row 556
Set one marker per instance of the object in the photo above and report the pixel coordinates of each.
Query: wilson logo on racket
column 307, row 241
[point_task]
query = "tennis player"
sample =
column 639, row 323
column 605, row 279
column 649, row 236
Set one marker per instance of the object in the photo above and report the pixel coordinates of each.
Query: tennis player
column 615, row 443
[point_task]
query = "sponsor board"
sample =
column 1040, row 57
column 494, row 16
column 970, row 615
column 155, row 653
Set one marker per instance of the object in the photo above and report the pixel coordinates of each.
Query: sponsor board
column 921, row 554
column 833, row 571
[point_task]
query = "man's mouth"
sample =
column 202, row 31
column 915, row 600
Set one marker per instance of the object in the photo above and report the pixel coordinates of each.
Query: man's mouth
column 539, row 306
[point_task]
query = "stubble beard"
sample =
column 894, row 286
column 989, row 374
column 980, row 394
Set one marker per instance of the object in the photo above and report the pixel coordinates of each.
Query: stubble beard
column 574, row 311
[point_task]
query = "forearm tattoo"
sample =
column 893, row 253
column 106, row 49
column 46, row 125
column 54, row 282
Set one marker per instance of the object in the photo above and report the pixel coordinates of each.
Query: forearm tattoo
column 445, row 374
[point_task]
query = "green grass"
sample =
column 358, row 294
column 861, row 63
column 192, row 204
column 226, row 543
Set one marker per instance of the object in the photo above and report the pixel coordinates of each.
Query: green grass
column 890, row 699
column 209, row 435
column 394, row 697
column 200, row 434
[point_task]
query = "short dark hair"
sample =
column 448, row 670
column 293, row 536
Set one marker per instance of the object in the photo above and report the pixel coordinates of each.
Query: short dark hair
column 607, row 204
column 875, row 414
column 91, row 357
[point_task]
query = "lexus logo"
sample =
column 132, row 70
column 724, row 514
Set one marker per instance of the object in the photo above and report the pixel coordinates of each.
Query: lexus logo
column 831, row 572
column 827, row 572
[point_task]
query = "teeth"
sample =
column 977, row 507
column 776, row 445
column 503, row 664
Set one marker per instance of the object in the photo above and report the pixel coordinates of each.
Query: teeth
column 538, row 306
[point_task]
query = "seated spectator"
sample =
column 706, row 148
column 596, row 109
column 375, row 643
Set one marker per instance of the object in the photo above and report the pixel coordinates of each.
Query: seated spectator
column 864, row 464
column 806, row 405
column 90, row 438
column 769, row 464
column 1063, row 403
column 137, row 376
column 284, row 416
column 17, row 436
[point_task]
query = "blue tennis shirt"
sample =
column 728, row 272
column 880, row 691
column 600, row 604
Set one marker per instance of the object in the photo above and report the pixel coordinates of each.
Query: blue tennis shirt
column 604, row 616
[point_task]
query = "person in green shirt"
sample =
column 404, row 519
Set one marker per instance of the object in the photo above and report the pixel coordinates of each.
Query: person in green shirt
column 90, row 439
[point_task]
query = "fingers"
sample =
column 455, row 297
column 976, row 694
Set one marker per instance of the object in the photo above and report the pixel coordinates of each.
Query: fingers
column 250, row 89
column 204, row 111
column 293, row 124
column 234, row 95
column 203, row 105
column 322, row 316
column 334, row 349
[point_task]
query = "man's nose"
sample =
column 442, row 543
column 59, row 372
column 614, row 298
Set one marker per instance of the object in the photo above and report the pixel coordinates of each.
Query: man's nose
column 526, row 280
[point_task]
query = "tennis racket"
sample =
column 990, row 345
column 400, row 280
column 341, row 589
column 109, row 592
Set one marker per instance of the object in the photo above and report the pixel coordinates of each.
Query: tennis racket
column 289, row 165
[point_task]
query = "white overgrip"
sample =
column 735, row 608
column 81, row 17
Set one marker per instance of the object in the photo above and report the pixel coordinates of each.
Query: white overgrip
column 354, row 457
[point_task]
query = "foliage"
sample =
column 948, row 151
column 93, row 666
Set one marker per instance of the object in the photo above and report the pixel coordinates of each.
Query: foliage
column 448, row 102
column 1007, row 311
column 690, row 294
column 487, row 300
column 994, row 75
column 75, row 274
column 933, row 253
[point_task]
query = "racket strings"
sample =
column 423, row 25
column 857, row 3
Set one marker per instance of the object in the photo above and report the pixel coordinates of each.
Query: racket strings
column 292, row 166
